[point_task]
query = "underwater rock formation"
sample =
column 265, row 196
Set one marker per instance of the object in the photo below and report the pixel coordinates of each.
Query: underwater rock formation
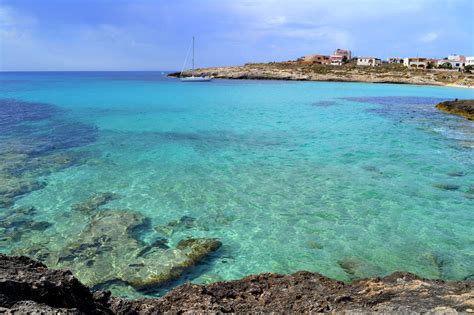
column 15, row 223
column 184, row 223
column 108, row 250
column 34, row 136
column 94, row 202
column 28, row 286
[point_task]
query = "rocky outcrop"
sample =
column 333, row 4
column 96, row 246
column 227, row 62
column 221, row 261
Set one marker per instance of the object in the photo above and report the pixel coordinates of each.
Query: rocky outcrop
column 463, row 108
column 28, row 286
column 348, row 73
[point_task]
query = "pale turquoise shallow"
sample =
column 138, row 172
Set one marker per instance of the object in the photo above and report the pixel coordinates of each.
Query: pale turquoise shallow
column 288, row 175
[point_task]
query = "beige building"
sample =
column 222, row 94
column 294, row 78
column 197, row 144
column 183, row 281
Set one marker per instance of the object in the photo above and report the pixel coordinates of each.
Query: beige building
column 320, row 59
column 416, row 63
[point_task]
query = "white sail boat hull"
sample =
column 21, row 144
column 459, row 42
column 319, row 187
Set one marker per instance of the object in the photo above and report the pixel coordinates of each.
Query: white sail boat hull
column 195, row 79
column 192, row 78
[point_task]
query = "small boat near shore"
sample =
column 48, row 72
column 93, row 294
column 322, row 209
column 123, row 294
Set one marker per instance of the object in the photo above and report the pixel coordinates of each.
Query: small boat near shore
column 194, row 78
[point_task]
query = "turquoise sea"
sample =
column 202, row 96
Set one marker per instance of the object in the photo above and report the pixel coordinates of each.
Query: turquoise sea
column 104, row 173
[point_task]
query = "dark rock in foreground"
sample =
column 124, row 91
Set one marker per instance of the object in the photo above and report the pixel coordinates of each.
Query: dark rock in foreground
column 28, row 286
column 463, row 108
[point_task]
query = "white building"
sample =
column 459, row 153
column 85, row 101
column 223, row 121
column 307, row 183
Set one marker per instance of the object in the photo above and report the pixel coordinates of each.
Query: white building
column 458, row 58
column 455, row 64
column 469, row 61
column 368, row 61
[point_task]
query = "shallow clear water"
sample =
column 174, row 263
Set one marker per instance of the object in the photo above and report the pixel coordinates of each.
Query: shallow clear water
column 345, row 179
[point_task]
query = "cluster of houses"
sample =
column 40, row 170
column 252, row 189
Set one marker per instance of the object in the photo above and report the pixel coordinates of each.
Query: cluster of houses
column 341, row 56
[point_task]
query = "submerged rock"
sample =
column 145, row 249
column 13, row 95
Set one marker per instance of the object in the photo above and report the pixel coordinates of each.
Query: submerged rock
column 94, row 202
column 373, row 169
column 184, row 223
column 446, row 186
column 324, row 104
column 356, row 268
column 28, row 286
column 457, row 174
column 108, row 250
column 12, row 187
column 197, row 248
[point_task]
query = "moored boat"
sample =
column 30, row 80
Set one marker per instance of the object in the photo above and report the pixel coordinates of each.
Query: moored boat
column 194, row 78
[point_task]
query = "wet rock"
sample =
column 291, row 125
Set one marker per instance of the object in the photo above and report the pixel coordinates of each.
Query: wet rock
column 23, row 280
column 39, row 226
column 161, row 243
column 197, row 248
column 446, row 186
column 28, row 286
column 94, row 202
column 463, row 108
column 187, row 254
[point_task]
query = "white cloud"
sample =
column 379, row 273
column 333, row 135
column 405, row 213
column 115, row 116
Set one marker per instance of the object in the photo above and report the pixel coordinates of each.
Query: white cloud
column 14, row 24
column 428, row 37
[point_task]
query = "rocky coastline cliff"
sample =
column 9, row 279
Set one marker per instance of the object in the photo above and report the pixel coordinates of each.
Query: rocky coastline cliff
column 387, row 73
column 28, row 286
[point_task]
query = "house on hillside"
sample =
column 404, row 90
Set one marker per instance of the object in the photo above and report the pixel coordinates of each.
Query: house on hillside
column 319, row 59
column 416, row 63
column 340, row 57
column 469, row 61
column 451, row 64
column 395, row 60
column 458, row 58
column 368, row 61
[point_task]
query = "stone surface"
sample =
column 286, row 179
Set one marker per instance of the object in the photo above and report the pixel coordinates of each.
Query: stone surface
column 463, row 108
column 27, row 286
column 23, row 280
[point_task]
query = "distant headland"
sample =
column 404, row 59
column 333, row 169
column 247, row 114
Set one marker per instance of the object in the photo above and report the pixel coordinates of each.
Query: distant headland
column 454, row 70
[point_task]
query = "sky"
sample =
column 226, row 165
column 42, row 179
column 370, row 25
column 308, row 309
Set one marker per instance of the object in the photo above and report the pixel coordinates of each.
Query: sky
column 41, row 35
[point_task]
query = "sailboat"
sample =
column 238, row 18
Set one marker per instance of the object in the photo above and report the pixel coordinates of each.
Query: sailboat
column 193, row 78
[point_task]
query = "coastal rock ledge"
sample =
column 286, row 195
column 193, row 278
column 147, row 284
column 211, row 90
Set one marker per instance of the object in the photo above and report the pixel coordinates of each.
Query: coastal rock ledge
column 28, row 286
column 463, row 108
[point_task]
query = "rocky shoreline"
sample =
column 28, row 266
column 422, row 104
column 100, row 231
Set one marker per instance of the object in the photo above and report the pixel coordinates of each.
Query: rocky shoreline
column 463, row 108
column 28, row 286
column 388, row 73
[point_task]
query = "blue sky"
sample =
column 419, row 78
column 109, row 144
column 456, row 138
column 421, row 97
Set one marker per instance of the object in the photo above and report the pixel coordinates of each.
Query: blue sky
column 155, row 34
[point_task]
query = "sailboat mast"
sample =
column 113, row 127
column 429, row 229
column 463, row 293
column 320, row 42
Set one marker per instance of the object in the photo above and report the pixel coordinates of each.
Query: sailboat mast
column 193, row 58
